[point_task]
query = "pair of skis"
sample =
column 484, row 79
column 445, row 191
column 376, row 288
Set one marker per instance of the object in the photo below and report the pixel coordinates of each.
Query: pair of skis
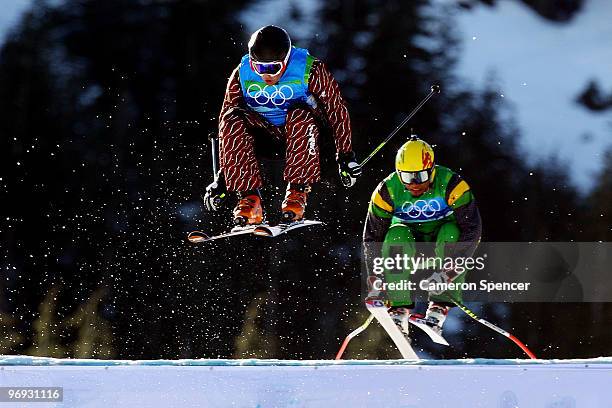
column 262, row 230
column 379, row 311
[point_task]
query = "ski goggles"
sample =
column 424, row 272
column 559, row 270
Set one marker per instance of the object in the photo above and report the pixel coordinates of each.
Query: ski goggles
column 269, row 68
column 417, row 177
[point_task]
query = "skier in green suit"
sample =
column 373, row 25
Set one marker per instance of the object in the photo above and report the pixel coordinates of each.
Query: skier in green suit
column 421, row 202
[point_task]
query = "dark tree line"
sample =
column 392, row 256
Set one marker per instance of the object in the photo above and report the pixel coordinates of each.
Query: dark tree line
column 105, row 108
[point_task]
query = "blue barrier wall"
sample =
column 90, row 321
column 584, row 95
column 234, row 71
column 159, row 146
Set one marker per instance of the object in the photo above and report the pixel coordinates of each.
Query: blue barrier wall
column 287, row 383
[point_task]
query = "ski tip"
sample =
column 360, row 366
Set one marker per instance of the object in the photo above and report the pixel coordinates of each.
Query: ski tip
column 197, row 236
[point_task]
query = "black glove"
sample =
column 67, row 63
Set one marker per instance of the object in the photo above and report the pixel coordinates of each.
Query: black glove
column 349, row 169
column 216, row 193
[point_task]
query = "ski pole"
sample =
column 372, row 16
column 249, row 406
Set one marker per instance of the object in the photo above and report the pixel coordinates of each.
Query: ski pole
column 213, row 142
column 434, row 89
column 352, row 334
column 493, row 327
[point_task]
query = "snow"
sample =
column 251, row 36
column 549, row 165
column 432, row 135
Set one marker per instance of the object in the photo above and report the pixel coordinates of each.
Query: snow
column 542, row 67
column 323, row 383
column 21, row 360
column 11, row 11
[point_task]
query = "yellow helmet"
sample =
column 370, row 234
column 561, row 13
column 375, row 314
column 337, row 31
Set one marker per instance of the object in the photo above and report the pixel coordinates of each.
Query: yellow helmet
column 414, row 162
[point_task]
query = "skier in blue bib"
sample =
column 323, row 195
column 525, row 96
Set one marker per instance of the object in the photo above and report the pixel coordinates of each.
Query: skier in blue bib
column 292, row 97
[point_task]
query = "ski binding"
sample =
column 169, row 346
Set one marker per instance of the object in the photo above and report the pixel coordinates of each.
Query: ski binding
column 422, row 324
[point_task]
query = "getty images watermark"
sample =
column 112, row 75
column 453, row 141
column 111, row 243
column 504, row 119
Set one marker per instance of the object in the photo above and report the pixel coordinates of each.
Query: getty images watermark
column 402, row 263
column 493, row 271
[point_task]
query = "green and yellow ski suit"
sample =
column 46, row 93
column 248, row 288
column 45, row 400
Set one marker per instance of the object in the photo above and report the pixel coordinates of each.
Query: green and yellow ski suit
column 445, row 213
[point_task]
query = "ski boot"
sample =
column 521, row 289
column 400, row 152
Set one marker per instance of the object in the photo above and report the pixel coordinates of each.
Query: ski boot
column 375, row 297
column 294, row 204
column 248, row 211
column 400, row 316
column 435, row 316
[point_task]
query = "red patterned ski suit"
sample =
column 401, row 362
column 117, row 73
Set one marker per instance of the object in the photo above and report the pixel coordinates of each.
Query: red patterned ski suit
column 300, row 132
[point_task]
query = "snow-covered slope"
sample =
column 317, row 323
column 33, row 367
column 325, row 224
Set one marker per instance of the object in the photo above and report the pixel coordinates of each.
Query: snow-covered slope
column 287, row 383
column 542, row 67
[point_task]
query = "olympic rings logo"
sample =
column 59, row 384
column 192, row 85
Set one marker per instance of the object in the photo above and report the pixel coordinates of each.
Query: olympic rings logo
column 270, row 93
column 419, row 208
